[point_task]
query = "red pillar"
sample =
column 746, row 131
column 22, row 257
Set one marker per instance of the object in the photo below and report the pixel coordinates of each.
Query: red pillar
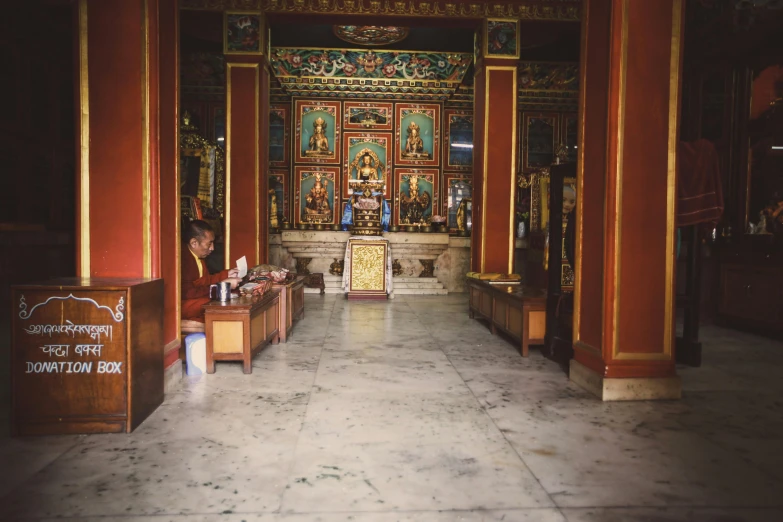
column 118, row 225
column 247, row 121
column 494, row 162
column 128, row 153
column 624, row 294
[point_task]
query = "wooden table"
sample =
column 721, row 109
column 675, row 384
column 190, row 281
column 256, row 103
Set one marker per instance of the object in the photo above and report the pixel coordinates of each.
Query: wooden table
column 514, row 309
column 86, row 355
column 238, row 329
column 291, row 305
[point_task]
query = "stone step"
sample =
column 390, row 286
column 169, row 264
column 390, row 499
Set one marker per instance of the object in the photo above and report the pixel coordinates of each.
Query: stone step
column 327, row 290
column 420, row 291
column 408, row 279
column 417, row 284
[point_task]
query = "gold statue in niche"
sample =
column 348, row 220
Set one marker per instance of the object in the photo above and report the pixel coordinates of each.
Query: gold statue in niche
column 414, row 206
column 319, row 143
column 367, row 165
column 414, row 145
column 273, row 221
column 317, row 208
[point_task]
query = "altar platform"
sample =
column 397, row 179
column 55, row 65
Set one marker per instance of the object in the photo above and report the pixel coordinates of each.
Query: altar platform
column 425, row 263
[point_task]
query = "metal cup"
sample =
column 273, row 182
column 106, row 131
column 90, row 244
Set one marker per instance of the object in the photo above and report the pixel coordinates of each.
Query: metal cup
column 222, row 292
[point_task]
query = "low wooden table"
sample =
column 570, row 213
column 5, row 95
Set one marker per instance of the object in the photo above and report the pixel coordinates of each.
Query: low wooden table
column 240, row 328
column 291, row 305
column 514, row 309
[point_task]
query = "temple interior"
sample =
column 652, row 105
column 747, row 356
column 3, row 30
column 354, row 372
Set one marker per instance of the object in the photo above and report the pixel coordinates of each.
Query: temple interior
column 392, row 261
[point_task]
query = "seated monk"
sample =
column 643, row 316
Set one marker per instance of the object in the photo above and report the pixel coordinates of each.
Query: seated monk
column 199, row 238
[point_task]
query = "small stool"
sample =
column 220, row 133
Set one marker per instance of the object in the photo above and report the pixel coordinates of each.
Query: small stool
column 316, row 281
column 187, row 327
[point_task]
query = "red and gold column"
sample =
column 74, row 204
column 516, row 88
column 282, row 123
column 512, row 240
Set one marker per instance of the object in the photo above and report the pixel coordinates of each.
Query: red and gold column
column 118, row 221
column 495, row 146
column 247, row 118
column 128, row 155
column 624, row 292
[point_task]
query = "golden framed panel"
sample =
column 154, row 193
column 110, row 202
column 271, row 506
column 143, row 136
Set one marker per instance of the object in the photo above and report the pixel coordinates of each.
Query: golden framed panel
column 317, row 131
column 500, row 38
column 368, row 116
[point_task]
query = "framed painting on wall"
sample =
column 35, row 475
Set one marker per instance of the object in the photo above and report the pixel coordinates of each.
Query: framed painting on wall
column 317, row 131
column 417, row 195
column 367, row 116
column 366, row 156
column 243, row 32
column 501, row 38
column 278, row 186
column 417, row 137
column 316, row 197
column 540, row 137
column 459, row 139
column 456, row 187
column 278, row 135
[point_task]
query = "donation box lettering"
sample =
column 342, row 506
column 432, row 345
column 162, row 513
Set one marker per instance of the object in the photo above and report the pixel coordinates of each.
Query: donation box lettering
column 70, row 353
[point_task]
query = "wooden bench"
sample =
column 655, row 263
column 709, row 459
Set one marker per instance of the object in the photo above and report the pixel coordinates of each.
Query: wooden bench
column 238, row 329
column 518, row 311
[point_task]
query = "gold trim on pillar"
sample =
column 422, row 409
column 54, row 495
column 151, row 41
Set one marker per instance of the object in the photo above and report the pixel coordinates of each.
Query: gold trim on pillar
column 178, row 219
column 671, row 175
column 580, row 176
column 513, row 175
column 84, row 145
column 256, row 67
column 146, row 227
column 618, row 189
column 484, row 173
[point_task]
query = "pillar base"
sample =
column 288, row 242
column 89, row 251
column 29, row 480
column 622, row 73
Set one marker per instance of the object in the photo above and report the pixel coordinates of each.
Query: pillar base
column 172, row 376
column 626, row 389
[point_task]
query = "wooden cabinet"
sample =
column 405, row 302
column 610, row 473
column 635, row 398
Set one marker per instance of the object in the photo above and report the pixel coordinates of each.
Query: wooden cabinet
column 291, row 305
column 86, row 356
column 514, row 309
column 751, row 284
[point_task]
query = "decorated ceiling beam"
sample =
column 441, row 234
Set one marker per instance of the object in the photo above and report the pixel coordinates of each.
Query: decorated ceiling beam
column 548, row 85
column 564, row 10
column 368, row 73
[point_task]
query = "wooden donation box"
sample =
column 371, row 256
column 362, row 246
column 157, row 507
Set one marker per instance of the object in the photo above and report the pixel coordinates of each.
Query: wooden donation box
column 291, row 305
column 238, row 329
column 86, row 355
column 367, row 265
column 514, row 309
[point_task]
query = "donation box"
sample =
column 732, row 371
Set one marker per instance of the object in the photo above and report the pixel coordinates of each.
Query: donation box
column 86, row 355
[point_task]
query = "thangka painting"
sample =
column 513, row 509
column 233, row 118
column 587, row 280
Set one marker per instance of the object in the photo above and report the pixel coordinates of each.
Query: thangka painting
column 456, row 188
column 366, row 156
column 278, row 135
column 459, row 140
column 316, row 190
column 317, row 131
column 242, row 33
column 278, row 197
column 501, row 39
column 367, row 116
column 417, row 196
column 417, row 137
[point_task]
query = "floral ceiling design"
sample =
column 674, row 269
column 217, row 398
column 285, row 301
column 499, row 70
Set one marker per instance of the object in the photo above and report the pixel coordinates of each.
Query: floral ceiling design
column 370, row 34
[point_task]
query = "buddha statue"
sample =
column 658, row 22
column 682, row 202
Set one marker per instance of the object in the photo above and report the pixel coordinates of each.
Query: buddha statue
column 413, row 206
column 273, row 221
column 317, row 208
column 319, row 144
column 414, row 145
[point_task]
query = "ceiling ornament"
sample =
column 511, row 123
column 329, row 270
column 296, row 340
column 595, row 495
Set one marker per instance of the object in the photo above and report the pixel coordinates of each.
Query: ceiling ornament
column 370, row 34
column 369, row 74
column 562, row 10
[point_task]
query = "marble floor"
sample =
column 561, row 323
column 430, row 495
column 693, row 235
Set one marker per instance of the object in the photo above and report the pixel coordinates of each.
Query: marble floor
column 408, row 411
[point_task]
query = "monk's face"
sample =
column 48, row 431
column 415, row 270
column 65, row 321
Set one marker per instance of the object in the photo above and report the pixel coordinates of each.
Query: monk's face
column 204, row 245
